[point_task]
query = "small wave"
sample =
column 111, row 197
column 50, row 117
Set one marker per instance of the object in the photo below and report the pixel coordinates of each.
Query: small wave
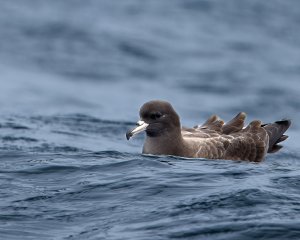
column 141, row 52
column 12, row 125
column 238, row 230
column 57, row 169
column 237, row 199
column 13, row 139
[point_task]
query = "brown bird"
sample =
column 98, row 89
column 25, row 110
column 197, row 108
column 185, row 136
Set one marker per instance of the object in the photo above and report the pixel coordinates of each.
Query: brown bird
column 213, row 140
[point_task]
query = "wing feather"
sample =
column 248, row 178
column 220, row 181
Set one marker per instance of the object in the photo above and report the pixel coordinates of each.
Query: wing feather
column 234, row 125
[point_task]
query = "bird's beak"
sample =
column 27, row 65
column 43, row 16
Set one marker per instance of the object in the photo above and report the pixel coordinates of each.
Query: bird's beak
column 141, row 126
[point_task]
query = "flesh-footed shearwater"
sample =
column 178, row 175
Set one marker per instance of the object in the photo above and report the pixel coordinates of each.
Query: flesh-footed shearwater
column 213, row 140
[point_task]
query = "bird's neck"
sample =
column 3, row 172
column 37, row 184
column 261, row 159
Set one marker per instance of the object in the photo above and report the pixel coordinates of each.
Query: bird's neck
column 170, row 143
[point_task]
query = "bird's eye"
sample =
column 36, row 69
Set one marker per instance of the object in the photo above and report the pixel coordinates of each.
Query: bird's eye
column 155, row 115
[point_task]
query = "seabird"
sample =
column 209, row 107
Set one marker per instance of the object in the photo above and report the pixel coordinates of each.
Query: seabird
column 212, row 140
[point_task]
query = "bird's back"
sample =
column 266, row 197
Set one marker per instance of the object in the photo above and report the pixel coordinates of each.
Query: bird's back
column 216, row 140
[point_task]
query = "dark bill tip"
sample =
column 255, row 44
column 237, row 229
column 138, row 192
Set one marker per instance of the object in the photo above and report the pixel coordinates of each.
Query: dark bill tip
column 129, row 134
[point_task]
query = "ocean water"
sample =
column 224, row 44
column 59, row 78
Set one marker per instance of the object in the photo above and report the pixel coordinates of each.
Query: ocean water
column 73, row 77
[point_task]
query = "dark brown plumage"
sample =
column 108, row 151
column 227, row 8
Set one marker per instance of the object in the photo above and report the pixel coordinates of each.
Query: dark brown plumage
column 214, row 139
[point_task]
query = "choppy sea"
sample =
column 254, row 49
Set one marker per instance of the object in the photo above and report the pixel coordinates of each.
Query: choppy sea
column 73, row 77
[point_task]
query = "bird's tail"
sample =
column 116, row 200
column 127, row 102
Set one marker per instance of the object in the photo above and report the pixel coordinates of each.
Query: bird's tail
column 275, row 131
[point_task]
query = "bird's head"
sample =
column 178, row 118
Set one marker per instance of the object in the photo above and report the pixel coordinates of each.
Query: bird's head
column 156, row 118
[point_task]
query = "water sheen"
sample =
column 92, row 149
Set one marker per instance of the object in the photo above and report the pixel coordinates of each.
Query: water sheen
column 73, row 76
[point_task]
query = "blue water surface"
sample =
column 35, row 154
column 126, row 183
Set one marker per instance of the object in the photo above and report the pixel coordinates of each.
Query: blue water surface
column 73, row 77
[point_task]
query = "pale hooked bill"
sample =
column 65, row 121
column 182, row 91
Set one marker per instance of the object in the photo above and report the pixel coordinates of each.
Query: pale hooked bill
column 141, row 126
